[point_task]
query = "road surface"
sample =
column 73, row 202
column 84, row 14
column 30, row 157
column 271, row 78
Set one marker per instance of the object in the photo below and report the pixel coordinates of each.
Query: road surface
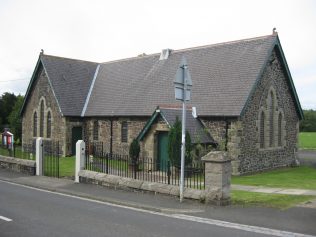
column 26, row 211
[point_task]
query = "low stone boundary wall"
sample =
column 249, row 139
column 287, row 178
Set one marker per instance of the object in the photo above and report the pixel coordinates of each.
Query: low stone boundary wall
column 113, row 181
column 217, row 179
column 18, row 165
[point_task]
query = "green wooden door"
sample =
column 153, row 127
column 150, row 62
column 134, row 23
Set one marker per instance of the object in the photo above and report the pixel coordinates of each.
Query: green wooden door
column 163, row 151
column 76, row 135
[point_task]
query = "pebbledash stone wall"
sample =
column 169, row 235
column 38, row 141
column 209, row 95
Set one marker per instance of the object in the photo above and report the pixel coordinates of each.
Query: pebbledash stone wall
column 18, row 165
column 226, row 132
column 251, row 156
column 135, row 125
column 41, row 91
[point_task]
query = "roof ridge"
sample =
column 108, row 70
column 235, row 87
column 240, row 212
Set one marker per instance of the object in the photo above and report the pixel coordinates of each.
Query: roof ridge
column 74, row 59
column 224, row 43
column 191, row 48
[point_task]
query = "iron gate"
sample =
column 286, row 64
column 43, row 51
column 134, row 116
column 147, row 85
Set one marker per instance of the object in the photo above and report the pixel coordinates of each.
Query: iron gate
column 51, row 155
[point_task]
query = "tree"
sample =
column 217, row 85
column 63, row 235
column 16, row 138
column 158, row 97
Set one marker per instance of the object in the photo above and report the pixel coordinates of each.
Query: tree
column 308, row 124
column 7, row 101
column 174, row 145
column 14, row 118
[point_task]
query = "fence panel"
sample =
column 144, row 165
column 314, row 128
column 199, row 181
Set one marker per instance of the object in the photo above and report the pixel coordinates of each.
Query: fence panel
column 26, row 151
column 146, row 169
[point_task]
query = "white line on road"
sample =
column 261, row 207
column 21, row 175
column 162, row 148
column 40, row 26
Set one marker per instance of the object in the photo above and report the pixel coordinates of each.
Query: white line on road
column 225, row 224
column 5, row 218
column 249, row 228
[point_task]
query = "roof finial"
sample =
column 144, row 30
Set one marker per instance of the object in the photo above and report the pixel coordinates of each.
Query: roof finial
column 274, row 32
column 42, row 51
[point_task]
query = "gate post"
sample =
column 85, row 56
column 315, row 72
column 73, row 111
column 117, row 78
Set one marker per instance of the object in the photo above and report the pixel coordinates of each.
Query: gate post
column 80, row 156
column 217, row 177
column 39, row 156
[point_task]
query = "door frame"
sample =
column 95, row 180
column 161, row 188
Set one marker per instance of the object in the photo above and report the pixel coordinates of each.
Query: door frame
column 160, row 166
column 73, row 144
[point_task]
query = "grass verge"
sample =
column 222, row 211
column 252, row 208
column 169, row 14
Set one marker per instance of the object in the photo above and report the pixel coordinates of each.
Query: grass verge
column 298, row 177
column 281, row 201
column 307, row 140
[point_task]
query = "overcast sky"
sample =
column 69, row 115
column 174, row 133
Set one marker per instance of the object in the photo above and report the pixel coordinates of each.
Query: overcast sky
column 103, row 30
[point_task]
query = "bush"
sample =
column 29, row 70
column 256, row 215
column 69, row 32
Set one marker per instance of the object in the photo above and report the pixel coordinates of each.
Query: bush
column 134, row 150
column 174, row 145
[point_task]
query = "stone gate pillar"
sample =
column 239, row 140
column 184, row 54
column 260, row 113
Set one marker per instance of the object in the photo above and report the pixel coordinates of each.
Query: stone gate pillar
column 217, row 177
column 39, row 156
column 80, row 158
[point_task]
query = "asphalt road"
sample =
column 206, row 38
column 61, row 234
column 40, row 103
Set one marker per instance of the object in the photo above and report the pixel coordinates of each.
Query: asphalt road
column 36, row 212
column 307, row 157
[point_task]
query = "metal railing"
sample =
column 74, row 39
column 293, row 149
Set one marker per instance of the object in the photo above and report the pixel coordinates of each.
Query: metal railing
column 145, row 169
column 26, row 151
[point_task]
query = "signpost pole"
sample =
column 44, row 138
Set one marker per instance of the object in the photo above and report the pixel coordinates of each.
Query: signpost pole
column 183, row 85
column 183, row 134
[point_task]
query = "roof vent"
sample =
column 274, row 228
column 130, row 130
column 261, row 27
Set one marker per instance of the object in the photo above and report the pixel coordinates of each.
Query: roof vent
column 194, row 114
column 165, row 54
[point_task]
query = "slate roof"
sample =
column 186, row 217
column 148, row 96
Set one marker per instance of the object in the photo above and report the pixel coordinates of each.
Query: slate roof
column 71, row 80
column 223, row 76
column 193, row 125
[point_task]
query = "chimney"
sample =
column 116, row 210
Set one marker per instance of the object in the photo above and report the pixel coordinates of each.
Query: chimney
column 165, row 54
column 194, row 113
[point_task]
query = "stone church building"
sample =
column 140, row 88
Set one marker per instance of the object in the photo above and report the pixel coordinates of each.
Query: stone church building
column 242, row 90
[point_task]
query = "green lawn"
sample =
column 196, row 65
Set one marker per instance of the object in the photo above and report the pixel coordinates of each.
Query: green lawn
column 307, row 140
column 67, row 166
column 18, row 153
column 281, row 201
column 299, row 177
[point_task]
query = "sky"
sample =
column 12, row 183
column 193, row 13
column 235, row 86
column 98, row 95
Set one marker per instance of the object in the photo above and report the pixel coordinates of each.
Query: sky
column 106, row 30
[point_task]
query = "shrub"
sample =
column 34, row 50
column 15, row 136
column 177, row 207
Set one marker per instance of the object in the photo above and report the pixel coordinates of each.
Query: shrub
column 134, row 150
column 174, row 145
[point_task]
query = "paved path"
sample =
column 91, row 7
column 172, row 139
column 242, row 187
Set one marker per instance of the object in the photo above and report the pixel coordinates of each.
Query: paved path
column 261, row 189
column 307, row 157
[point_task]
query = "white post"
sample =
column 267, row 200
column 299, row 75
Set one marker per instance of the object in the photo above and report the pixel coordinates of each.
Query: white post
column 39, row 156
column 80, row 155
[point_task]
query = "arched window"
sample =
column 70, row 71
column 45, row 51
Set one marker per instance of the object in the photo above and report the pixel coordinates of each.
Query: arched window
column 49, row 125
column 42, row 119
column 35, row 125
column 271, row 119
column 95, row 130
column 261, row 137
column 280, row 130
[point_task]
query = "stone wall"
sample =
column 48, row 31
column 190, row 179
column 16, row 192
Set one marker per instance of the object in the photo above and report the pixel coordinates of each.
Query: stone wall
column 252, row 157
column 149, row 144
column 18, row 165
column 217, row 128
column 41, row 91
column 135, row 125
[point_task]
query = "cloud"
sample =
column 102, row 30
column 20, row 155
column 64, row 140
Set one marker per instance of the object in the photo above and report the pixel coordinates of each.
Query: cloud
column 107, row 30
